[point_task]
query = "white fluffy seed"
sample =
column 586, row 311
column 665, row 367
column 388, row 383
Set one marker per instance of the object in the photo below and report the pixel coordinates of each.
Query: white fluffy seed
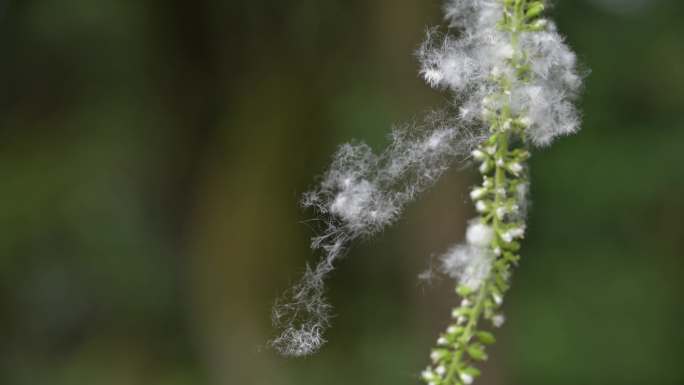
column 479, row 234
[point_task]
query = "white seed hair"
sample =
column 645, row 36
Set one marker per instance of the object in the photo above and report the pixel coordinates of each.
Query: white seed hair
column 359, row 195
column 469, row 265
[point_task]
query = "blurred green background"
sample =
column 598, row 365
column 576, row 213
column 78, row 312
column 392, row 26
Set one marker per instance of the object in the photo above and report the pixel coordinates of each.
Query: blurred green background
column 152, row 154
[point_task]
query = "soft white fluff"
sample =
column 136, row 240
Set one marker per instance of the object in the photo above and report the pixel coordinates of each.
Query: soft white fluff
column 469, row 265
column 469, row 65
column 360, row 194
column 479, row 234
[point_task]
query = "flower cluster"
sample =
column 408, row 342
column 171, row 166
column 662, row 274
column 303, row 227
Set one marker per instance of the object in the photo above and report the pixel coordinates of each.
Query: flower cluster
column 514, row 82
column 543, row 84
column 517, row 78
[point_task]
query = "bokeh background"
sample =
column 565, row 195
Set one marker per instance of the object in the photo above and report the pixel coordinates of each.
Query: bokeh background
column 152, row 154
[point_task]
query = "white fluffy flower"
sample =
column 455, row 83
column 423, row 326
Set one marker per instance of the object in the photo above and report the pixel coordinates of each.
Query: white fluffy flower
column 477, row 193
column 479, row 234
column 467, row 65
column 467, row 378
column 498, row 320
column 469, row 265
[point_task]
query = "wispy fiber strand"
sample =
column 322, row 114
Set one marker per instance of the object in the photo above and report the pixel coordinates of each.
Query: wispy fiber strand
column 358, row 196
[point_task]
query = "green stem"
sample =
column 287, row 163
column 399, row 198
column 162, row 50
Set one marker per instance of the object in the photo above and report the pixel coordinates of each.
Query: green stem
column 495, row 284
column 474, row 317
column 469, row 328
